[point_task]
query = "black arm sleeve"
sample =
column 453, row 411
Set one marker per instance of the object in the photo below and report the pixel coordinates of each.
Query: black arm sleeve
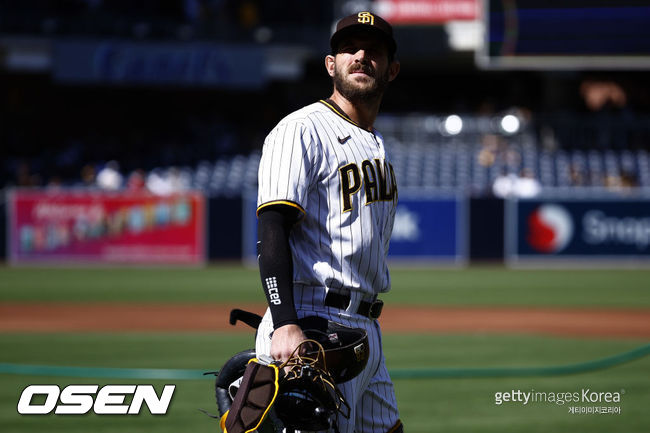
column 275, row 262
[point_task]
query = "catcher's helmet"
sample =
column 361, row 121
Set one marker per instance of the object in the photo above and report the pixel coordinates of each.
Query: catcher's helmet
column 308, row 399
column 346, row 349
column 232, row 370
column 306, row 403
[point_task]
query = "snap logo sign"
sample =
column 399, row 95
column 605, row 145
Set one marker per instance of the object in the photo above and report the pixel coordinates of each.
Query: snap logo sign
column 550, row 228
column 81, row 399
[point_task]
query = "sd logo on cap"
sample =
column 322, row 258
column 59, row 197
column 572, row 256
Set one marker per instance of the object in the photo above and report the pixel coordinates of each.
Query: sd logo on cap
column 367, row 22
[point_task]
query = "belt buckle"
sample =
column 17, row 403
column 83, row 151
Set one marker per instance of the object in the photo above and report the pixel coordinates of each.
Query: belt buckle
column 375, row 309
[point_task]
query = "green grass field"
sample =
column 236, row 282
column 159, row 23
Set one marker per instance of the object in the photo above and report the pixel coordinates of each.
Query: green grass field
column 473, row 286
column 464, row 404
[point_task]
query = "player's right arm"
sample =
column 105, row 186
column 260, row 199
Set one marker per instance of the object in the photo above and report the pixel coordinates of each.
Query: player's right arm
column 276, row 270
column 285, row 172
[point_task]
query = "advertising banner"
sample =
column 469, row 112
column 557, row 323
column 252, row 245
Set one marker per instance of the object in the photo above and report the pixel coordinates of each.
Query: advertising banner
column 553, row 230
column 140, row 63
column 430, row 228
column 399, row 12
column 81, row 226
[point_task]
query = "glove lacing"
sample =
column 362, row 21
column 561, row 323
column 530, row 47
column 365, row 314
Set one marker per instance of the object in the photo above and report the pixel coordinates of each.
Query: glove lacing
column 298, row 359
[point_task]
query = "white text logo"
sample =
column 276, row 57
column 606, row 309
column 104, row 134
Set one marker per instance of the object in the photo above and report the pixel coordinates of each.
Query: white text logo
column 585, row 395
column 81, row 399
column 602, row 229
column 272, row 288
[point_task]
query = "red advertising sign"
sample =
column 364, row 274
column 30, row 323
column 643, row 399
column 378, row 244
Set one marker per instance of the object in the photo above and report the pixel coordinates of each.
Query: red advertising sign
column 427, row 11
column 81, row 226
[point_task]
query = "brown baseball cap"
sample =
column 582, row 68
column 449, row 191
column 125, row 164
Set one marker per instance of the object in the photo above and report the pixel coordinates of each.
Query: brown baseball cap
column 364, row 21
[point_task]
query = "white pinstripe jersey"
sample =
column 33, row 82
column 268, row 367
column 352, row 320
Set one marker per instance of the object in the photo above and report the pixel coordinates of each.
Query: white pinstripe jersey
column 336, row 173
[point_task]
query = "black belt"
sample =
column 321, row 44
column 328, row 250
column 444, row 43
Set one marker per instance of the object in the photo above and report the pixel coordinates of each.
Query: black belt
column 367, row 309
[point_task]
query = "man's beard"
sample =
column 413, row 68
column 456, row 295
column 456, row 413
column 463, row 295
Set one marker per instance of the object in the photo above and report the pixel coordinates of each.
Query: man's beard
column 357, row 94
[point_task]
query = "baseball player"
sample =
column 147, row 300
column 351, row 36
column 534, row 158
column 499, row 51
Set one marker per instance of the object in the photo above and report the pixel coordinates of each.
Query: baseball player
column 326, row 205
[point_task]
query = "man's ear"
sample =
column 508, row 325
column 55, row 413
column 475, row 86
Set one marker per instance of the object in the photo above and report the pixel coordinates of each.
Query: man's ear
column 329, row 65
column 393, row 70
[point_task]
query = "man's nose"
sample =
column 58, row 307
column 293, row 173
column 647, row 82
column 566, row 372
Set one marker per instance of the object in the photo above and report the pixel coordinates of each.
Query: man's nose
column 360, row 56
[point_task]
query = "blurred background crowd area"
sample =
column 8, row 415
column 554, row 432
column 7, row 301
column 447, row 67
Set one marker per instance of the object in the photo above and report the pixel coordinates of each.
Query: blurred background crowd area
column 179, row 94
column 231, row 20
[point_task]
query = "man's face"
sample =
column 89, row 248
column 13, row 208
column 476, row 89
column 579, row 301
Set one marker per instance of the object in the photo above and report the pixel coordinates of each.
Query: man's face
column 361, row 68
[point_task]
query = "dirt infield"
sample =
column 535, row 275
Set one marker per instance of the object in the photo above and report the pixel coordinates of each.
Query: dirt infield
column 69, row 317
